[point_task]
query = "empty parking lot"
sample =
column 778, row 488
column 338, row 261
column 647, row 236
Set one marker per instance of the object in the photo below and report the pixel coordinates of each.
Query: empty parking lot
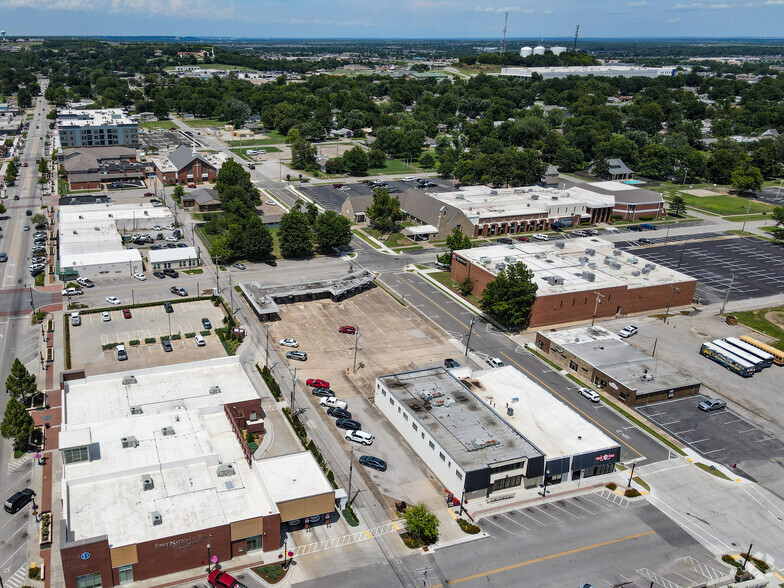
column 721, row 436
column 758, row 266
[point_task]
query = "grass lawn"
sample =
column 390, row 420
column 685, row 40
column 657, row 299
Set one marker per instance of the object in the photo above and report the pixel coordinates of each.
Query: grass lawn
column 365, row 239
column 210, row 239
column 742, row 217
column 253, row 142
column 158, row 124
column 756, row 320
column 276, row 136
column 726, row 205
column 200, row 123
column 394, row 166
column 445, row 279
column 373, row 232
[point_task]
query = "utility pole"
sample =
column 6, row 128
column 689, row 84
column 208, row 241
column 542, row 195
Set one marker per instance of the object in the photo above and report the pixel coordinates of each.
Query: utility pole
column 745, row 218
column 727, row 297
column 231, row 295
column 673, row 289
column 599, row 296
column 294, row 381
column 356, row 345
column 266, row 361
column 470, row 330
column 350, row 473
column 576, row 32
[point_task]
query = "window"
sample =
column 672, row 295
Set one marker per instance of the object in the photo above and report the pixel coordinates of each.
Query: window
column 392, row 402
column 423, row 435
column 76, row 455
column 89, row 581
column 572, row 365
column 398, row 410
column 383, row 392
column 405, row 416
column 125, row 574
column 253, row 543
column 432, row 445
column 442, row 456
column 459, row 475
column 414, row 426
column 509, row 482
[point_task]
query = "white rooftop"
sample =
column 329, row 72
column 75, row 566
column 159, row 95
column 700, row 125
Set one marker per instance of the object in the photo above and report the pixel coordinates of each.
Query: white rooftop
column 293, row 476
column 483, row 202
column 105, row 497
column 93, row 118
column 176, row 254
column 570, row 269
column 163, row 164
column 545, row 421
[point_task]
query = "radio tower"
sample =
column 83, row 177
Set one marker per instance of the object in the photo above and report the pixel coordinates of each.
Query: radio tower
column 576, row 32
column 503, row 41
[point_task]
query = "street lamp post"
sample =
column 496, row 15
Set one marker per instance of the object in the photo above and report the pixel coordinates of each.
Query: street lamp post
column 545, row 483
column 470, row 330
column 727, row 297
column 294, row 380
column 629, row 485
column 356, row 346
column 350, row 473
column 745, row 218
column 209, row 559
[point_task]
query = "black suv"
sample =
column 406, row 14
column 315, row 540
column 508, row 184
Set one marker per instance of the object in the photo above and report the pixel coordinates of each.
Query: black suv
column 19, row 500
column 450, row 363
column 171, row 273
column 160, row 275
column 348, row 424
column 167, row 306
column 323, row 392
column 338, row 413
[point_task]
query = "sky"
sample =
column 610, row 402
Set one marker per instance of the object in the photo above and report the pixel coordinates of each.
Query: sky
column 395, row 18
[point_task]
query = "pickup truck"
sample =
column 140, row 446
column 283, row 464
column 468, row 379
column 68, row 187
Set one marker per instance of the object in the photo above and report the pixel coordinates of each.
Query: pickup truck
column 332, row 402
column 71, row 291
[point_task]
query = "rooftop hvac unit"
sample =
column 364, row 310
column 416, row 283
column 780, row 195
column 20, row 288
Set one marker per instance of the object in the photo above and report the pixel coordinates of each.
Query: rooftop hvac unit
column 129, row 442
column 615, row 265
column 590, row 251
column 225, row 470
column 459, row 197
column 253, row 417
column 509, row 411
column 554, row 196
column 635, row 273
column 534, row 196
column 540, row 255
column 557, row 281
column 167, row 431
column 582, row 259
column 155, row 518
column 589, row 276
column 128, row 380
column 509, row 259
column 500, row 266
column 560, row 244
column 592, row 265
column 617, row 252
column 650, row 266
column 484, row 259
column 215, row 390
column 646, row 270
column 631, row 260
column 493, row 192
column 647, row 377
column 147, row 483
column 136, row 410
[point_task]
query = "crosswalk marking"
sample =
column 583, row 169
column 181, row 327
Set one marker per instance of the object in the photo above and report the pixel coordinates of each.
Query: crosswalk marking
column 18, row 463
column 344, row 540
column 17, row 579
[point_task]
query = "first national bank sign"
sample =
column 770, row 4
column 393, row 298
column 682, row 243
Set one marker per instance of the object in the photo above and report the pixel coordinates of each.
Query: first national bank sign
column 181, row 543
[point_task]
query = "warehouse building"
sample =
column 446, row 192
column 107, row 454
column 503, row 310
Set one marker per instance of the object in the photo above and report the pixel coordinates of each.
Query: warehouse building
column 579, row 279
column 157, row 475
column 488, row 432
column 604, row 71
column 178, row 258
column 609, row 363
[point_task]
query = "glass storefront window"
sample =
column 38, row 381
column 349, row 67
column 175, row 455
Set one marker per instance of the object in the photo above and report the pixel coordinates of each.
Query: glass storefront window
column 89, row 581
column 125, row 574
column 253, row 543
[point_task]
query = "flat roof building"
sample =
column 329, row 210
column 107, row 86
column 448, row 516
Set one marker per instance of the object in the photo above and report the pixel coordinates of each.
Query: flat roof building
column 609, row 363
column 93, row 128
column 630, row 202
column 489, row 431
column 177, row 258
column 571, row 273
column 606, row 71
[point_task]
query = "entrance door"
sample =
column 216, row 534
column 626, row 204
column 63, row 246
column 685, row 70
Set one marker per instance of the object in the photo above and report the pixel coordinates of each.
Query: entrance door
column 253, row 543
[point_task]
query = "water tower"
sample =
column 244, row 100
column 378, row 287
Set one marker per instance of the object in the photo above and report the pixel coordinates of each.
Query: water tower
column 557, row 50
column 3, row 42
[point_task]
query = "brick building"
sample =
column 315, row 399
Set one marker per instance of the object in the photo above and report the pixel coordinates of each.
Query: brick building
column 572, row 274
column 185, row 166
column 89, row 167
column 631, row 202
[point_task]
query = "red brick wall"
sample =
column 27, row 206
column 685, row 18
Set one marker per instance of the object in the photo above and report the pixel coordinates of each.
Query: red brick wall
column 90, row 185
column 99, row 560
column 271, row 540
column 654, row 210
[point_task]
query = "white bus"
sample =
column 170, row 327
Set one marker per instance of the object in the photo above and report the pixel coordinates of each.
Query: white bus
column 748, row 348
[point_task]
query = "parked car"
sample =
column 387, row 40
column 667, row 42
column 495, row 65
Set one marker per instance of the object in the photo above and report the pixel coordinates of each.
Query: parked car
column 591, row 395
column 86, row 282
column 541, row 237
column 635, row 228
column 648, row 226
column 18, row 501
column 375, row 463
column 178, row 290
column 593, row 232
column 271, row 262
column 172, row 239
column 167, row 346
column 140, row 277
column 339, row 413
column 156, row 227
column 645, row 241
column 71, row 291
column 148, row 194
column 409, row 179
column 168, row 228
column 200, row 342
column 191, row 185
column 348, row 329
column 494, row 361
column 523, row 239
column 579, row 233
column 182, row 244
column 450, row 363
column 321, row 392
column 710, row 404
column 205, row 322
column 76, row 320
column 289, row 342
column 171, row 273
column 238, row 265
column 167, row 306
column 159, row 275
column 359, row 437
column 122, row 354
column 126, row 313
column 297, row 355
column 628, row 331
column 332, row 402
column 171, row 246
column 219, row 579
column 159, row 237
column 37, row 260
column 113, row 300
column 316, row 383
column 106, row 317
column 505, row 241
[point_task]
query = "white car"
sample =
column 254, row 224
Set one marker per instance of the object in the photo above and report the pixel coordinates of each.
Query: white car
column 140, row 277
column 113, row 300
column 541, row 237
column 289, row 342
column 270, row 202
column 409, row 179
column 591, row 395
column 628, row 331
column 156, row 227
column 106, row 317
column 168, row 228
column 172, row 239
column 494, row 361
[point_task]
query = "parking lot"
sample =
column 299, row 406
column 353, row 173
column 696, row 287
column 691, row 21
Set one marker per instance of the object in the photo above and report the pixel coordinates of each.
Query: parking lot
column 164, row 140
column 758, row 266
column 722, row 436
column 145, row 323
column 392, row 339
column 773, row 196
column 332, row 198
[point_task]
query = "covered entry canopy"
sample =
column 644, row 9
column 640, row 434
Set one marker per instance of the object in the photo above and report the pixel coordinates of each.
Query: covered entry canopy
column 421, row 232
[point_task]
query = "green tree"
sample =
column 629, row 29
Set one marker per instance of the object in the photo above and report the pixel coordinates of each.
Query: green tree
column 600, row 167
column 38, row 218
column 355, row 161
column 294, row 235
column 233, row 174
column 236, row 111
column 20, row 383
column 778, row 216
column 331, row 230
column 746, row 178
column 385, row 211
column 510, row 296
column 457, row 241
column 312, row 211
column 178, row 193
column 2, row 208
column 466, row 286
column 677, row 206
column 427, row 161
column 568, row 159
column 303, row 155
column 42, row 167
column 256, row 240
column 377, row 159
column 17, row 423
column 221, row 249
column 24, row 98
column 421, row 523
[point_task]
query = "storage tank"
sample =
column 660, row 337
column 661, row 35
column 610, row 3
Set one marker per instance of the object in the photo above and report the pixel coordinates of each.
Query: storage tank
column 557, row 50
column 538, row 50
column 526, row 51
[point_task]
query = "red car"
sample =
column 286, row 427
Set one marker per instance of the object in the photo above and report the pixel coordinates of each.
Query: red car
column 149, row 194
column 523, row 239
column 347, row 329
column 126, row 313
column 24, row 164
column 316, row 383
column 220, row 579
column 191, row 185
